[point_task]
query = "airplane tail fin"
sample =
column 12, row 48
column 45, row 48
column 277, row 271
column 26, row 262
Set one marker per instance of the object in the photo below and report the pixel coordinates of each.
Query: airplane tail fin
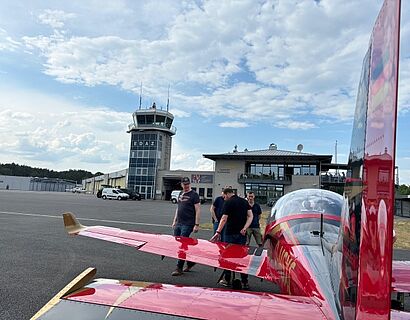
column 71, row 223
column 367, row 220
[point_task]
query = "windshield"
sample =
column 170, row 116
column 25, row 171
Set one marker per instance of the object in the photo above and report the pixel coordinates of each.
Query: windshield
column 307, row 201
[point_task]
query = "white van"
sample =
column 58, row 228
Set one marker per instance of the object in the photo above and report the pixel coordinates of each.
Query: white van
column 175, row 195
column 114, row 193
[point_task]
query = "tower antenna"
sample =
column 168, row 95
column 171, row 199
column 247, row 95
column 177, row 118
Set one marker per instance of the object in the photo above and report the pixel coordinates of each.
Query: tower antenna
column 168, row 100
column 140, row 95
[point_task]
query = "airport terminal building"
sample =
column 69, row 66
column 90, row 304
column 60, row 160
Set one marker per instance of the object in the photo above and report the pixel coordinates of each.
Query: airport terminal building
column 270, row 173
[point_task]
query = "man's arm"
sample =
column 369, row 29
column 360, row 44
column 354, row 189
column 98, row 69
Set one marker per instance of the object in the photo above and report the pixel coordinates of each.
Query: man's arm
column 174, row 222
column 248, row 222
column 217, row 235
column 197, row 216
column 213, row 215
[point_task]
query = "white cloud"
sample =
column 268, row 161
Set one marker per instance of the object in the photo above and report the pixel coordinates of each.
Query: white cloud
column 233, row 124
column 185, row 159
column 305, row 56
column 203, row 164
column 180, row 113
column 7, row 43
column 92, row 138
column 54, row 18
column 295, row 125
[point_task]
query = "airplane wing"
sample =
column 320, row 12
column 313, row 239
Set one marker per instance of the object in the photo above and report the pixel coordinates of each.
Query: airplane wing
column 401, row 276
column 238, row 258
column 116, row 299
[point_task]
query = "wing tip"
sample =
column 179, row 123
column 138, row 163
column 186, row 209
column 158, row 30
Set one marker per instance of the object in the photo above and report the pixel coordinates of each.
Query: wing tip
column 71, row 223
column 78, row 282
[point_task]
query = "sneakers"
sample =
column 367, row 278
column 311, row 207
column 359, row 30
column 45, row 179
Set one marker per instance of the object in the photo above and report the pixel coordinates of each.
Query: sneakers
column 188, row 268
column 224, row 283
column 245, row 286
column 177, row 272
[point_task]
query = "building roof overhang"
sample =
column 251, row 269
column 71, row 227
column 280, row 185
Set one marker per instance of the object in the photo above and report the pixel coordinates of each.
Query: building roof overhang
column 295, row 157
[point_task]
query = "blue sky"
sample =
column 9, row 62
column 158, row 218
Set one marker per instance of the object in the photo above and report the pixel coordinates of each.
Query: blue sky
column 246, row 73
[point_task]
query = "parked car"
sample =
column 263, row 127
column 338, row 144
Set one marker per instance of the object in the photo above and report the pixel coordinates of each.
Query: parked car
column 175, row 195
column 99, row 192
column 76, row 190
column 114, row 193
column 132, row 194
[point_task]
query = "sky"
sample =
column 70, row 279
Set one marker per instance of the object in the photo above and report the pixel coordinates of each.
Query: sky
column 246, row 73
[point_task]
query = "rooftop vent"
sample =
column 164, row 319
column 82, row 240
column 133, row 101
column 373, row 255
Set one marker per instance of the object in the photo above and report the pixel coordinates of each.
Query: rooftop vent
column 273, row 146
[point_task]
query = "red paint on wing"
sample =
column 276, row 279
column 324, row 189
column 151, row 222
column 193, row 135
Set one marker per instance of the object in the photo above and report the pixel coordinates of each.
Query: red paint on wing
column 220, row 255
column 209, row 303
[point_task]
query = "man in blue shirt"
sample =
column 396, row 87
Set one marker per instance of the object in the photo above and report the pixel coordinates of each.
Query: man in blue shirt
column 186, row 219
column 255, row 228
column 216, row 213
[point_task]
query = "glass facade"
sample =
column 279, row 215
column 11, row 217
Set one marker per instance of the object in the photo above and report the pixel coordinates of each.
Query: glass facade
column 264, row 191
column 145, row 156
column 279, row 171
column 267, row 180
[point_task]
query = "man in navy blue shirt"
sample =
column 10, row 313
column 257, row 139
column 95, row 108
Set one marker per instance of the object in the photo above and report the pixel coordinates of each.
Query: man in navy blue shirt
column 186, row 219
column 255, row 228
column 216, row 213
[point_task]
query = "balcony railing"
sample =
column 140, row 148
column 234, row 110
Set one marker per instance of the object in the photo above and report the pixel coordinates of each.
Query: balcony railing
column 264, row 178
column 332, row 178
column 133, row 126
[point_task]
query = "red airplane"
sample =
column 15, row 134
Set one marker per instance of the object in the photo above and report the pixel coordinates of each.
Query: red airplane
column 331, row 255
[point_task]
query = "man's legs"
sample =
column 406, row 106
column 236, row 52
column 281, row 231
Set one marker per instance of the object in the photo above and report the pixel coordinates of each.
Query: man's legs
column 216, row 224
column 237, row 239
column 244, row 277
column 258, row 236
column 180, row 263
column 186, row 232
column 181, row 230
column 240, row 239
column 248, row 236
column 256, row 232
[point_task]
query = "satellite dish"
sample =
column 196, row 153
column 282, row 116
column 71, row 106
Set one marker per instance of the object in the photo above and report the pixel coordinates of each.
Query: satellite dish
column 300, row 147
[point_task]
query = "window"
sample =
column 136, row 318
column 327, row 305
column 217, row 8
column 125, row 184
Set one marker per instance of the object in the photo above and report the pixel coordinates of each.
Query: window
column 209, row 192
column 313, row 171
column 201, row 192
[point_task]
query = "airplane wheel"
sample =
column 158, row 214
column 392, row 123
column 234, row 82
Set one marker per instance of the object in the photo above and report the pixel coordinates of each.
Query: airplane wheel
column 104, row 197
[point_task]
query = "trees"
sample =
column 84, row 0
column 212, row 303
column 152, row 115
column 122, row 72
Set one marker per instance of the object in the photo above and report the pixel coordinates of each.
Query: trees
column 404, row 189
column 13, row 169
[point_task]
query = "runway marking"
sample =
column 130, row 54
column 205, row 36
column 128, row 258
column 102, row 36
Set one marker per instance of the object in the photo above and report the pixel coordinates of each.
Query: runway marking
column 88, row 219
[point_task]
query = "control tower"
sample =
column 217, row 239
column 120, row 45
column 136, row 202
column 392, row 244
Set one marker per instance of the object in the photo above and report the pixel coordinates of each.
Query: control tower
column 150, row 151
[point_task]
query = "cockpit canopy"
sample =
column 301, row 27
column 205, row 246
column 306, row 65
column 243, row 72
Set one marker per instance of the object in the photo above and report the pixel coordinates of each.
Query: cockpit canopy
column 307, row 201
